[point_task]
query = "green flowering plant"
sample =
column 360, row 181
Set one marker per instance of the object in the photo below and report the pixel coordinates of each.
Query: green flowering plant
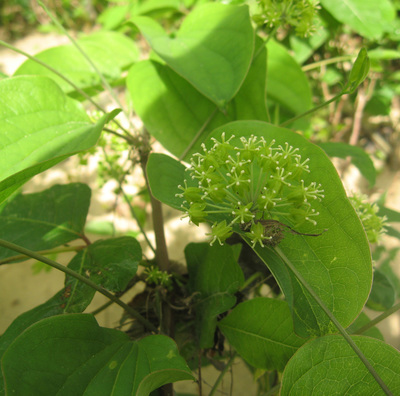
column 300, row 14
column 374, row 225
column 254, row 188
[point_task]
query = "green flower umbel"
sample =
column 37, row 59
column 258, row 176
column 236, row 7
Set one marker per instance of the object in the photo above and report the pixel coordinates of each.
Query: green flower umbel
column 374, row 225
column 251, row 188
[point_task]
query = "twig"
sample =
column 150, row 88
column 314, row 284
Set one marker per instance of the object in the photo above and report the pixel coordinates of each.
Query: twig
column 81, row 278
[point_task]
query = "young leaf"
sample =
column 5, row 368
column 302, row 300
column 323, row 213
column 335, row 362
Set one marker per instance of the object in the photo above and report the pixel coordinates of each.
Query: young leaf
column 111, row 52
column 261, row 331
column 358, row 72
column 71, row 355
column 28, row 222
column 212, row 49
column 39, row 127
column 328, row 365
column 215, row 276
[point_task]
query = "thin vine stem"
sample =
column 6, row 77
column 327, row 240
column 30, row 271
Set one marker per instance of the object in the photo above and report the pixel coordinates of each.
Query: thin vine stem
column 378, row 319
column 314, row 109
column 44, row 253
column 324, row 62
column 81, row 278
column 83, row 53
column 342, row 331
column 221, row 375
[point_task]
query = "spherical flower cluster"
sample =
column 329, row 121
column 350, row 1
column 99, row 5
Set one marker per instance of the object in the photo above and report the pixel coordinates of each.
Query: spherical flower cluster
column 299, row 14
column 250, row 188
column 374, row 225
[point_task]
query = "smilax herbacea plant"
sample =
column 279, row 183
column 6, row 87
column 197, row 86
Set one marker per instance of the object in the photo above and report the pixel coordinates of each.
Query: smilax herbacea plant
column 252, row 187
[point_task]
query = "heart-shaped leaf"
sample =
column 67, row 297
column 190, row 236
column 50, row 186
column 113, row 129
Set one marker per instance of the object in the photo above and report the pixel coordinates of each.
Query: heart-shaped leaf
column 212, row 49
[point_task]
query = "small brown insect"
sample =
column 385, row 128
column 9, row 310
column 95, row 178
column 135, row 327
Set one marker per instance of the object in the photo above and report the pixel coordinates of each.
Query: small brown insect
column 273, row 231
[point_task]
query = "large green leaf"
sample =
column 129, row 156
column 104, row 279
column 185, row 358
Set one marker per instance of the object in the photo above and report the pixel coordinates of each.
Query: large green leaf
column 45, row 220
column 367, row 17
column 287, row 84
column 328, row 366
column 71, row 355
column 171, row 109
column 337, row 264
column 261, row 331
column 111, row 52
column 215, row 276
column 39, row 127
column 174, row 112
column 212, row 49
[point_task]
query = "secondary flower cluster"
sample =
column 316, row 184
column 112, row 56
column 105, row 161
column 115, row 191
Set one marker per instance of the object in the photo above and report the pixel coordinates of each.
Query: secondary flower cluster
column 247, row 185
column 374, row 225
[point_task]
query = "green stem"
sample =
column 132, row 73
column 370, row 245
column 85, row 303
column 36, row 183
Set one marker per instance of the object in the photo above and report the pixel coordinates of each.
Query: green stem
column 223, row 372
column 312, row 110
column 378, row 319
column 323, row 62
column 81, row 278
column 342, row 331
column 133, row 213
column 44, row 253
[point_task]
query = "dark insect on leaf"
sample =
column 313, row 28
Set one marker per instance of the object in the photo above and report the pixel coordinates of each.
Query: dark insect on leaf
column 274, row 231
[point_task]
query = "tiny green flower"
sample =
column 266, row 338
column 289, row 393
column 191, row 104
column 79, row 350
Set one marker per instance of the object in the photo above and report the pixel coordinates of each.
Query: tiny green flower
column 221, row 232
column 374, row 224
column 252, row 184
